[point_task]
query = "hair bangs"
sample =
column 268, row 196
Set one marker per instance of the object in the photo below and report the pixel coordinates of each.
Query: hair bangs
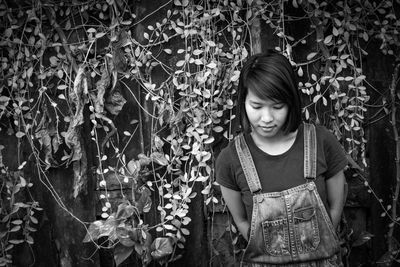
column 265, row 87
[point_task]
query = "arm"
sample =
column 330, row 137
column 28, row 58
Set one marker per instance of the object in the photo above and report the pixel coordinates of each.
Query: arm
column 235, row 205
column 335, row 192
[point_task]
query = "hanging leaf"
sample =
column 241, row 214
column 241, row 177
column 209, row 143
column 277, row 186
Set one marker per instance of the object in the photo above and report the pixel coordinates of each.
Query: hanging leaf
column 161, row 247
column 100, row 34
column 300, row 72
column 212, row 65
column 143, row 159
column 235, row 76
column 180, row 63
column 125, row 211
column 249, row 13
column 311, row 55
column 159, row 158
column 362, row 239
column 316, row 98
column 133, row 168
column 20, row 134
column 4, row 102
column 121, row 253
column 328, row 39
column 1, row 156
column 93, row 232
column 143, row 248
column 127, row 235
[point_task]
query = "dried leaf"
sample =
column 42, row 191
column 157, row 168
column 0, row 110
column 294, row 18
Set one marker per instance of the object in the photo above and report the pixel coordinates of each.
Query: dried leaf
column 144, row 202
column 80, row 175
column 47, row 137
column 72, row 140
column 115, row 103
column 45, row 143
column 79, row 95
column 101, row 87
column 78, row 98
column 119, row 61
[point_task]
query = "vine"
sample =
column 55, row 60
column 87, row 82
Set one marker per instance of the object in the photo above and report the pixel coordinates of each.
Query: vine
column 81, row 62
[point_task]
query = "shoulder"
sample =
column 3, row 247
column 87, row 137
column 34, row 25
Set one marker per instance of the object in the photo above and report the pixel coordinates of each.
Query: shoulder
column 326, row 136
column 226, row 166
column 227, row 155
column 333, row 152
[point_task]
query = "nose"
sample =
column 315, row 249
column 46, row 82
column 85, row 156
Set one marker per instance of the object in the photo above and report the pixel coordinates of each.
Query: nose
column 266, row 115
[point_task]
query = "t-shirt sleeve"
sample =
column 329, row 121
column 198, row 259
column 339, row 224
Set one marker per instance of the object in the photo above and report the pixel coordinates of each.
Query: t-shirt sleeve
column 223, row 169
column 335, row 155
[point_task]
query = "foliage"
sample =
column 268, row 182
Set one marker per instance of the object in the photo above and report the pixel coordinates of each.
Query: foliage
column 127, row 233
column 17, row 216
column 79, row 62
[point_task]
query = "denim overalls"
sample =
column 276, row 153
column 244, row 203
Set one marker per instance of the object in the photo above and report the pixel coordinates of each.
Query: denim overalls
column 289, row 227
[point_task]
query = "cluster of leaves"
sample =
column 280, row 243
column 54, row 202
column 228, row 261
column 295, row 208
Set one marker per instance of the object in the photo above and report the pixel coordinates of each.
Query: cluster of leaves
column 195, row 103
column 44, row 97
column 126, row 233
column 17, row 216
column 97, row 48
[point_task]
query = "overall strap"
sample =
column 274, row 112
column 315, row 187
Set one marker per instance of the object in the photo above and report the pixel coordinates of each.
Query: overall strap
column 310, row 152
column 247, row 163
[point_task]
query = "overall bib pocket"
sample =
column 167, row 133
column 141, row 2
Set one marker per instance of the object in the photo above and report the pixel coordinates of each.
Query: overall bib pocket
column 276, row 237
column 306, row 229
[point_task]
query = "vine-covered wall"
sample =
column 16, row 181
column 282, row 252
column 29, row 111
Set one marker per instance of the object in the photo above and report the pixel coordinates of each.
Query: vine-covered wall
column 112, row 114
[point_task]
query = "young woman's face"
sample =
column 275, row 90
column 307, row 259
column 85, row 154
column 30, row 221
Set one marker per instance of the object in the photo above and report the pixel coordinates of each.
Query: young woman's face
column 266, row 117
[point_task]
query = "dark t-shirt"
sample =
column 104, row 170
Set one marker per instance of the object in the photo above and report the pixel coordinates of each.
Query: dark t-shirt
column 281, row 172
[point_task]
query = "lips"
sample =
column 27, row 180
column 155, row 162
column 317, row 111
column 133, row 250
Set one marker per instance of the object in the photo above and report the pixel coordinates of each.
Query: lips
column 267, row 128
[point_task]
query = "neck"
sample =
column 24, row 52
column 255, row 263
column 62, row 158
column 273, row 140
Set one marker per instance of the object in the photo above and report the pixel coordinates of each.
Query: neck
column 277, row 145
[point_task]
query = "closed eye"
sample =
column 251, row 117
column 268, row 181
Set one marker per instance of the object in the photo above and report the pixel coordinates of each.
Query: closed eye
column 279, row 106
column 255, row 106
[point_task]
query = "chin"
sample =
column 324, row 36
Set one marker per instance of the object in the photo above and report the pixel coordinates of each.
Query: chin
column 266, row 134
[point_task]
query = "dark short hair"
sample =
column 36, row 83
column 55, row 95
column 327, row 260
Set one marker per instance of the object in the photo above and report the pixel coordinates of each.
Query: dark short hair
column 270, row 76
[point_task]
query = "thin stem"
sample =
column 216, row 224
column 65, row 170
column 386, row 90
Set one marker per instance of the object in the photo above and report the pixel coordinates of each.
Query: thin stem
column 397, row 159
